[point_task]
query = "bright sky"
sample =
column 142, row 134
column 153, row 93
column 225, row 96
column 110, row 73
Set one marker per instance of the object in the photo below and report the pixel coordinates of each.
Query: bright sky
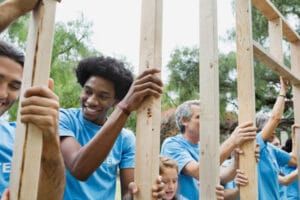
column 116, row 24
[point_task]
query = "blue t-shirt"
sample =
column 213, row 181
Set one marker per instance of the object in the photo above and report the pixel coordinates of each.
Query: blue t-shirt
column 7, row 134
column 182, row 151
column 102, row 183
column 292, row 190
column 271, row 159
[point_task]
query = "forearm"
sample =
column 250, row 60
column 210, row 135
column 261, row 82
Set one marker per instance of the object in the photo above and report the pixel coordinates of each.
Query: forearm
column 289, row 178
column 91, row 156
column 275, row 118
column 225, row 149
column 52, row 174
column 8, row 13
column 227, row 174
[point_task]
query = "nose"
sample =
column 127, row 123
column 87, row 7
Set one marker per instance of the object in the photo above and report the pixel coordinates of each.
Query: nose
column 92, row 100
column 3, row 90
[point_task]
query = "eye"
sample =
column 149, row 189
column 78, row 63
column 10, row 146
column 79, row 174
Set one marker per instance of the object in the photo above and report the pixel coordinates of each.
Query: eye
column 15, row 86
column 88, row 90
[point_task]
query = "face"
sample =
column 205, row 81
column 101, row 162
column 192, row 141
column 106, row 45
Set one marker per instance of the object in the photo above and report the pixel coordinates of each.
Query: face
column 192, row 126
column 170, row 179
column 97, row 97
column 10, row 82
column 276, row 142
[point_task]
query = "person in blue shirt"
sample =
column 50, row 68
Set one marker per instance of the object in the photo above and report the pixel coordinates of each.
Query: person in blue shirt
column 184, row 147
column 94, row 144
column 39, row 107
column 271, row 158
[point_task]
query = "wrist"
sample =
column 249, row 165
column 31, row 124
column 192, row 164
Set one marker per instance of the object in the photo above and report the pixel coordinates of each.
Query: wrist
column 124, row 108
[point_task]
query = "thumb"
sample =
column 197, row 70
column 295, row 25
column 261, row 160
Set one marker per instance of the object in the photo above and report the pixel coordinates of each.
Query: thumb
column 51, row 84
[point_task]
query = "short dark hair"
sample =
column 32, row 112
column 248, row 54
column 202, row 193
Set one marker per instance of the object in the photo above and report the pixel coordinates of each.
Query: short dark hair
column 11, row 52
column 108, row 68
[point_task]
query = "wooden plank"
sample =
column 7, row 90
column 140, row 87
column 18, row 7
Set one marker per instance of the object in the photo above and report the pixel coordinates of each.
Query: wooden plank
column 279, row 68
column 246, row 93
column 209, row 96
column 267, row 8
column 149, row 114
column 28, row 143
column 295, row 65
column 275, row 35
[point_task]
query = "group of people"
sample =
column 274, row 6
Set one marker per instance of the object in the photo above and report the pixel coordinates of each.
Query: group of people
column 85, row 148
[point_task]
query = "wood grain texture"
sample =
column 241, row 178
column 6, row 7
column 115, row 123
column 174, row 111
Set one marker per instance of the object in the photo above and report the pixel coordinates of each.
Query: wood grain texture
column 28, row 142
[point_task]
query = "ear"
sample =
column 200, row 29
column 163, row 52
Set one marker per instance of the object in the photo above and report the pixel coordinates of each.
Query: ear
column 183, row 121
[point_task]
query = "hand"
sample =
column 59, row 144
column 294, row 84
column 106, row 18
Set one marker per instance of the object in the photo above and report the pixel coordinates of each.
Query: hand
column 284, row 86
column 243, row 133
column 5, row 195
column 25, row 6
column 158, row 189
column 145, row 85
column 241, row 179
column 40, row 107
column 220, row 192
column 257, row 152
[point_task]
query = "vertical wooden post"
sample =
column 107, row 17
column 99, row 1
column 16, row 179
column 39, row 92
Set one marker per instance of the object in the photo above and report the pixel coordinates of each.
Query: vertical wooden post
column 276, row 36
column 209, row 96
column 246, row 92
column 295, row 65
column 28, row 143
column 149, row 114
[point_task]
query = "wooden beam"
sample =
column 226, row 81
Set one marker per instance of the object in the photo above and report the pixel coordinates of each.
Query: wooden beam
column 149, row 114
column 277, row 67
column 28, row 143
column 275, row 35
column 209, row 96
column 246, row 93
column 295, row 65
column 267, row 8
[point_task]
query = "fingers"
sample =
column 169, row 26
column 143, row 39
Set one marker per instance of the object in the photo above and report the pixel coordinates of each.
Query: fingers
column 132, row 187
column 158, row 189
column 40, row 91
column 241, row 179
column 220, row 192
column 257, row 152
column 5, row 195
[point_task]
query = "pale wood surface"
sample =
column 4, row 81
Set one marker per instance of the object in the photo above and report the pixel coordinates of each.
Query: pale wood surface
column 267, row 8
column 271, row 62
column 149, row 114
column 209, row 97
column 28, row 143
column 246, row 93
column 295, row 65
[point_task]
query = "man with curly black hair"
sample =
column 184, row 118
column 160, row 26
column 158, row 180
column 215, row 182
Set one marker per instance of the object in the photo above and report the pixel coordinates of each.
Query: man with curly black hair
column 95, row 145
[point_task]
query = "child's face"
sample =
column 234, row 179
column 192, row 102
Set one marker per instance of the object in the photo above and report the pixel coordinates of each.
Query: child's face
column 170, row 179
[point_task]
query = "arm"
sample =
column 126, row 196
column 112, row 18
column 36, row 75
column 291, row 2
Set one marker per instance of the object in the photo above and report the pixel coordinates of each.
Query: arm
column 293, row 160
column 276, row 114
column 40, row 107
column 289, row 178
column 231, row 194
column 192, row 169
column 82, row 161
column 10, row 10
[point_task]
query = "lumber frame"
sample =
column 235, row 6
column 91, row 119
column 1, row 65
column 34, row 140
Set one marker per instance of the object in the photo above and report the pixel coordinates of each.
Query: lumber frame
column 209, row 96
column 267, row 8
column 149, row 114
column 295, row 65
column 246, row 93
column 28, row 143
column 279, row 68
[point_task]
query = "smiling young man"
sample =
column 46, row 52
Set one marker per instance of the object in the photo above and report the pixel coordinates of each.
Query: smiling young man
column 95, row 145
column 39, row 107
